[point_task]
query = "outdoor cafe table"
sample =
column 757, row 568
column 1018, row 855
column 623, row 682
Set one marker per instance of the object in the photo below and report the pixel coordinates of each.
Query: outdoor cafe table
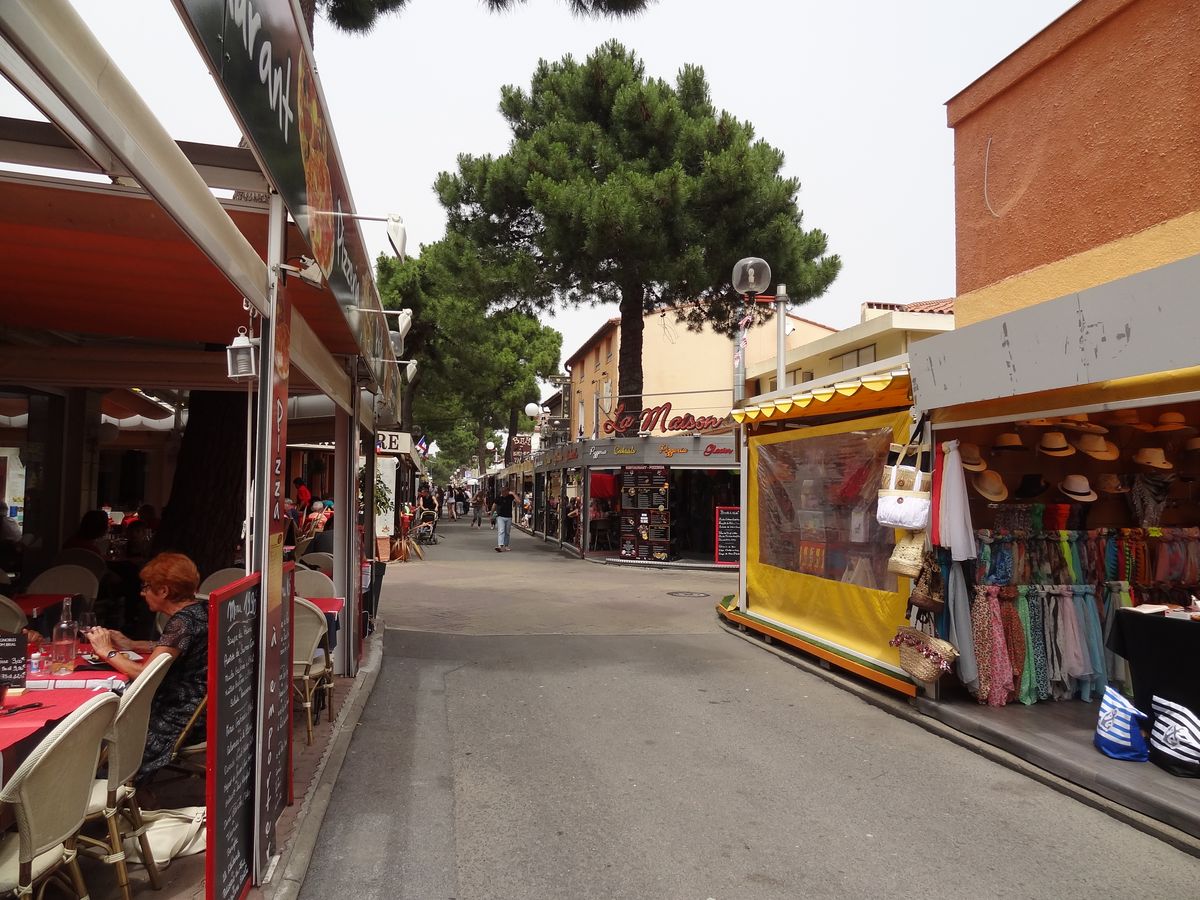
column 332, row 607
column 34, row 605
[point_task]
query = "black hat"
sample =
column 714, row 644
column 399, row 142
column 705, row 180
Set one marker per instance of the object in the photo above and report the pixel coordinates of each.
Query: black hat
column 1031, row 486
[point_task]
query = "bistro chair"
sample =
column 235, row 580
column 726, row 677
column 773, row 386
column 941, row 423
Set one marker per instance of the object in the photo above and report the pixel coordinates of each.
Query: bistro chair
column 77, row 556
column 220, row 579
column 189, row 755
column 313, row 584
column 12, row 617
column 322, row 562
column 311, row 671
column 114, row 798
column 49, row 795
column 68, row 579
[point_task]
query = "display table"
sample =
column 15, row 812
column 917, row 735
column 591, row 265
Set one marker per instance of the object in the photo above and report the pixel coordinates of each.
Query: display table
column 1163, row 656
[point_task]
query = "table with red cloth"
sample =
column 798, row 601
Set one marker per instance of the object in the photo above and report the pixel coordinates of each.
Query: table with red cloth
column 34, row 605
column 332, row 607
column 21, row 731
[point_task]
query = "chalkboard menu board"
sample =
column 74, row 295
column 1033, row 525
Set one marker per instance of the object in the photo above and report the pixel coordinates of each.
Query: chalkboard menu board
column 233, row 647
column 12, row 660
column 729, row 535
column 645, row 518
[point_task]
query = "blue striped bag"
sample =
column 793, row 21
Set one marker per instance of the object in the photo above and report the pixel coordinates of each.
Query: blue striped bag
column 1117, row 731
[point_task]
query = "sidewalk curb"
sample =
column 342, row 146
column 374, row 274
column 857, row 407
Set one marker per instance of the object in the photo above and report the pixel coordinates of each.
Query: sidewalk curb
column 903, row 710
column 299, row 852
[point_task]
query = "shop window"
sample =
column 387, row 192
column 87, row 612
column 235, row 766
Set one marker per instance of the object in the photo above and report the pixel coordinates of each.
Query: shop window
column 817, row 498
column 854, row 358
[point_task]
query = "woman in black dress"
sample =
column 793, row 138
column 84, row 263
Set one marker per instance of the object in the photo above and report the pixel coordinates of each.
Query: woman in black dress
column 169, row 583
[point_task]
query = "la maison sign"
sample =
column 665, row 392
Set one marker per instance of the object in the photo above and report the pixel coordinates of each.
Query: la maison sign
column 660, row 418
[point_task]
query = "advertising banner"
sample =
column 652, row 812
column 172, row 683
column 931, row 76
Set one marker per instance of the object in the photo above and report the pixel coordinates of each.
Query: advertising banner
column 261, row 58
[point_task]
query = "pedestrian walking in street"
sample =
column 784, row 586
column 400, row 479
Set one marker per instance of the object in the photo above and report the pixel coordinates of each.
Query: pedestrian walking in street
column 477, row 509
column 504, row 518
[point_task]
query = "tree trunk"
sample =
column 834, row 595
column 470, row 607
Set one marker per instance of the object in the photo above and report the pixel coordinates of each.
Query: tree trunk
column 512, row 433
column 203, row 518
column 629, row 379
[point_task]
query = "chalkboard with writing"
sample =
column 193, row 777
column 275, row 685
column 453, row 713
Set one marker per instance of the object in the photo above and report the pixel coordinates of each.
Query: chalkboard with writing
column 729, row 535
column 12, row 660
column 645, row 493
column 233, row 647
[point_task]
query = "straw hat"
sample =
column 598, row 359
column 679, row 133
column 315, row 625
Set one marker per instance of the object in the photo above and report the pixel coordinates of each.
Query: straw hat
column 1037, row 423
column 1193, row 445
column 1128, row 418
column 1032, row 485
column 1054, row 444
column 1079, row 422
column 1096, row 446
column 1108, row 483
column 1173, row 421
column 990, row 485
column 970, row 457
column 1008, row 441
column 1153, row 456
column 1077, row 488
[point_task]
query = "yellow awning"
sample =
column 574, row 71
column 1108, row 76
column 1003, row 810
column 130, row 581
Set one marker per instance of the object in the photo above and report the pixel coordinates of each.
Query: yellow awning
column 883, row 391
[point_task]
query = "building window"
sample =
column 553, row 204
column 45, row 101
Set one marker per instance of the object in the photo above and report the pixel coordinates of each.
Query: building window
column 806, row 376
column 596, row 358
column 770, row 385
column 854, row 358
column 608, row 347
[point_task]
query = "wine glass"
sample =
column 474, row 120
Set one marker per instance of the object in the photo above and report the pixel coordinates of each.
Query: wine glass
column 86, row 622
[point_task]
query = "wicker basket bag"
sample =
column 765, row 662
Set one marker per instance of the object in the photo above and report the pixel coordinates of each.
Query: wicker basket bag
column 908, row 555
column 923, row 656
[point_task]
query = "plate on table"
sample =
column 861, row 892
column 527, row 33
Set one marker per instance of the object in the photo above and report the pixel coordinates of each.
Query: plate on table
column 93, row 659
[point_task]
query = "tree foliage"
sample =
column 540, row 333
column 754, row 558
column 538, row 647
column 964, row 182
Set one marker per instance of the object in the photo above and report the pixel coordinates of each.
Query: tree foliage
column 619, row 187
column 362, row 15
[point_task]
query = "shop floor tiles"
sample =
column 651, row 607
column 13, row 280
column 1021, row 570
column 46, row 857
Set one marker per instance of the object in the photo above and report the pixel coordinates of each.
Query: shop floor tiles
column 1057, row 737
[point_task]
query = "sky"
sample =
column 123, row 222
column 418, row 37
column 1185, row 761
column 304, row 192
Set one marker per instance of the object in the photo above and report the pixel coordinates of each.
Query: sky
column 853, row 93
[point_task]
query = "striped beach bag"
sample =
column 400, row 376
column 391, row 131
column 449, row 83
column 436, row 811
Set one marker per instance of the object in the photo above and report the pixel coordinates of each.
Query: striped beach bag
column 1117, row 731
column 1175, row 738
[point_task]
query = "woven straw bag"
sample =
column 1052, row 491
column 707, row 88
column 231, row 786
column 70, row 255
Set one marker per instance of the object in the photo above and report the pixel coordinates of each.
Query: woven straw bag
column 907, row 555
column 923, row 656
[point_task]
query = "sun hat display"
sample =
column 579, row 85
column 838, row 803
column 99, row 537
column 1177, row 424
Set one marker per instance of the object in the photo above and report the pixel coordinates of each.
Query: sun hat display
column 923, row 656
column 1032, row 485
column 1079, row 422
column 990, row 485
column 1154, row 457
column 1008, row 441
column 1077, row 488
column 1108, row 483
column 1054, row 444
column 1128, row 418
column 971, row 459
column 1173, row 421
column 1096, row 446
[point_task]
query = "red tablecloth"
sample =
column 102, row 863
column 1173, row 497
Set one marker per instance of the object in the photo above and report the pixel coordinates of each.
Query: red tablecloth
column 33, row 604
column 331, row 606
column 56, row 705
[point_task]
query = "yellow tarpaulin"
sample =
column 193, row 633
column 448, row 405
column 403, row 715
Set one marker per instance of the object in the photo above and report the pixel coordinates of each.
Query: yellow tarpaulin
column 816, row 559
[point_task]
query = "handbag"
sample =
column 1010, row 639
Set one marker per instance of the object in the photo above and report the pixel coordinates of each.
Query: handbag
column 911, row 465
column 171, row 833
column 928, row 590
column 925, row 657
column 908, row 555
column 907, row 509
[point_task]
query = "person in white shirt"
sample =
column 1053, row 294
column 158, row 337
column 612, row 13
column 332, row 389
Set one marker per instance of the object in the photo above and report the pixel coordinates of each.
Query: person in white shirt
column 9, row 529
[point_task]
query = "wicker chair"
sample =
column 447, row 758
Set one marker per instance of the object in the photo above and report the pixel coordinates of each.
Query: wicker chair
column 311, row 668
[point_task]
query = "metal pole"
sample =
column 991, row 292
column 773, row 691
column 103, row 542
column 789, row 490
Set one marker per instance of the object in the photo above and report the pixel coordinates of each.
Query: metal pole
column 739, row 363
column 781, row 299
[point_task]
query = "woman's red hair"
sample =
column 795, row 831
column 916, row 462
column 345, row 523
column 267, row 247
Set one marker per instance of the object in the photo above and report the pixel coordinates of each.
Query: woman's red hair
column 175, row 572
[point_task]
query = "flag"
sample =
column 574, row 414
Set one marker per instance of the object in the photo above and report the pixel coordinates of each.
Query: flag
column 423, row 446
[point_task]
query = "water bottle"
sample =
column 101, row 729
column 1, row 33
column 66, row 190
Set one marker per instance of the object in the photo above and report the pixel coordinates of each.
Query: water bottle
column 64, row 643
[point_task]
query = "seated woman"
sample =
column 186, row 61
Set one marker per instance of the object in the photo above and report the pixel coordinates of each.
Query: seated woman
column 169, row 583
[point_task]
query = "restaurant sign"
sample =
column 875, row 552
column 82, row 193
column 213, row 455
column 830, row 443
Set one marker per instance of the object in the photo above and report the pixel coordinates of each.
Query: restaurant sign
column 695, row 451
column 261, row 58
column 659, row 418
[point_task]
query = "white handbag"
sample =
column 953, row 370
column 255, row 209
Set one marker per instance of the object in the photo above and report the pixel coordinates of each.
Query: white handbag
column 172, row 833
column 900, row 508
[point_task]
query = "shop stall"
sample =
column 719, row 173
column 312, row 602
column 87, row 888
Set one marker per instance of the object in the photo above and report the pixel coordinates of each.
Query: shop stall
column 1079, row 471
column 814, row 559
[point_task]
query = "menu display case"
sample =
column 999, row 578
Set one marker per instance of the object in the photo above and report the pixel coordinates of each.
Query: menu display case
column 645, row 513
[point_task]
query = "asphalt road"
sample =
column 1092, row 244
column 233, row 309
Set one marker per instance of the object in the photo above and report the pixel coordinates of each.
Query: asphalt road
column 545, row 727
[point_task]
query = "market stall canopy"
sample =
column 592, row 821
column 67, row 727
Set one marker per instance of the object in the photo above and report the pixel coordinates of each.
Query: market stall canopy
column 889, row 388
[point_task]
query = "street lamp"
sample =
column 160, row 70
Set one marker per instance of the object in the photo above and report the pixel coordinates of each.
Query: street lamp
column 532, row 410
column 781, row 302
column 751, row 276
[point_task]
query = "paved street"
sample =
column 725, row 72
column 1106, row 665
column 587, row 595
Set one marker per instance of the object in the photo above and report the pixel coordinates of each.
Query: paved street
column 545, row 727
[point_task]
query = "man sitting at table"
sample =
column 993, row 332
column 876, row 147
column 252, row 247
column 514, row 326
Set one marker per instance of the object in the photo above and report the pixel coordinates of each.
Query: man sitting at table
column 169, row 583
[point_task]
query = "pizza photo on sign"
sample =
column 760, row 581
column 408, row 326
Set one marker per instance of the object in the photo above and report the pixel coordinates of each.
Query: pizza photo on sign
column 314, row 151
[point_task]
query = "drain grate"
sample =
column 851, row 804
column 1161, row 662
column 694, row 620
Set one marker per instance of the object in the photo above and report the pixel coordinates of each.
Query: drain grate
column 687, row 594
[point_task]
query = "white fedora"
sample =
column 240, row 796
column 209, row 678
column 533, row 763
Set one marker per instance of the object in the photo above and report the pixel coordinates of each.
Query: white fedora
column 1077, row 488
column 1054, row 444
column 1153, row 456
column 1096, row 446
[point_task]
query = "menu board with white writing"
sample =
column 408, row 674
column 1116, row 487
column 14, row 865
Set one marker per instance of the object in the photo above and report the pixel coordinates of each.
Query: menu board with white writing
column 12, row 660
column 233, row 646
column 729, row 535
column 647, row 533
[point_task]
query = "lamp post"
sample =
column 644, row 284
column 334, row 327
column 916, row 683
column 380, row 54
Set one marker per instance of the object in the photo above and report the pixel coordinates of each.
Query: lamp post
column 781, row 302
column 751, row 276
